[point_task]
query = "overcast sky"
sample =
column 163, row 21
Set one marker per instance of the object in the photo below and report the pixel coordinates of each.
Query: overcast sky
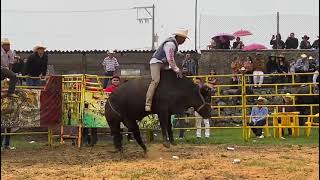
column 111, row 24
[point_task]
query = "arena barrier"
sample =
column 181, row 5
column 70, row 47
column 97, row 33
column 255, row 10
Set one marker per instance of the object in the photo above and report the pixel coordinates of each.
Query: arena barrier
column 36, row 107
column 82, row 104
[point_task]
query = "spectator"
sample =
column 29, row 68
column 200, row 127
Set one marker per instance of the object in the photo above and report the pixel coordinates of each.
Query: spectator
column 237, row 44
column 315, row 78
column 225, row 42
column 37, row 65
column 292, row 42
column 200, row 83
column 111, row 67
column 115, row 82
column 276, row 42
column 259, row 116
column 305, row 44
column 315, row 44
column 18, row 67
column 236, row 64
column 302, row 66
column 7, row 59
column 272, row 67
column 6, row 139
column 258, row 65
column 248, row 65
column 190, row 64
column 212, row 80
column 213, row 44
column 283, row 68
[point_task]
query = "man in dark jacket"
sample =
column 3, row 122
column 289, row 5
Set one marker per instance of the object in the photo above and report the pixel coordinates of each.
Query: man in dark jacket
column 305, row 44
column 315, row 44
column 37, row 66
column 291, row 42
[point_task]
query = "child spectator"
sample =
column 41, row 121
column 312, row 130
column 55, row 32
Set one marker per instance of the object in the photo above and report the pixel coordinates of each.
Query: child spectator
column 258, row 65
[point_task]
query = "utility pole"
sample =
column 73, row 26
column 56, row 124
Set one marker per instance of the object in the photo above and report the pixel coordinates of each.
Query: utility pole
column 278, row 31
column 195, row 24
column 150, row 12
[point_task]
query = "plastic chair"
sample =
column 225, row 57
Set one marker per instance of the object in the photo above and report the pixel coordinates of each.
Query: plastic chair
column 266, row 128
column 311, row 123
column 287, row 120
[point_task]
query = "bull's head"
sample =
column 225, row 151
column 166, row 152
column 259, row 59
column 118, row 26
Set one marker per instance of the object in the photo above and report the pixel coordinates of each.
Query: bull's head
column 203, row 105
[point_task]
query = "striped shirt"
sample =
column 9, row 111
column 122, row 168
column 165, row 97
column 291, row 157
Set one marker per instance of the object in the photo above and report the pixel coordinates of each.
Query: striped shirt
column 110, row 64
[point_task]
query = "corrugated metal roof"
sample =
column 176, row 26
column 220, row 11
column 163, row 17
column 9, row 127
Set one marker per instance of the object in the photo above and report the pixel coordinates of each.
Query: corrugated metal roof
column 98, row 51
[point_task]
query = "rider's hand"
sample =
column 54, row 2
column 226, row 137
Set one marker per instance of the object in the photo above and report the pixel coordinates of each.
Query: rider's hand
column 179, row 74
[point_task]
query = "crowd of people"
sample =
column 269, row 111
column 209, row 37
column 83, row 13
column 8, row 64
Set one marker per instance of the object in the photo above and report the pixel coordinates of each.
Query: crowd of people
column 276, row 64
column 223, row 42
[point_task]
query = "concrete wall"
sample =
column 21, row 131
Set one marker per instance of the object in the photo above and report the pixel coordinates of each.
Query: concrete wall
column 220, row 60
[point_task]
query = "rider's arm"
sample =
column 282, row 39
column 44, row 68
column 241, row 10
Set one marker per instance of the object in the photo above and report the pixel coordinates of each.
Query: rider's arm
column 169, row 49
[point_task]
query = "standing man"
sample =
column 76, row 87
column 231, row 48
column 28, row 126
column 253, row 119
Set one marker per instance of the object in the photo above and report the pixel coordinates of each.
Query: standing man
column 7, row 59
column 111, row 67
column 163, row 56
column 291, row 42
column 305, row 44
column 190, row 65
column 37, row 65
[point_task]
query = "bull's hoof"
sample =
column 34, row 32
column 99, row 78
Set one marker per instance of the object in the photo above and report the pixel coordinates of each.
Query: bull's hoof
column 173, row 143
column 166, row 144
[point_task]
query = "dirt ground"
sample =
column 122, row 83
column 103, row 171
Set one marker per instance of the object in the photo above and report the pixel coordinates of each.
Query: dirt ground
column 195, row 162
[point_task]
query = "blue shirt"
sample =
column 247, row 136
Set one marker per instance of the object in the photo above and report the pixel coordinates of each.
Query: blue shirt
column 259, row 113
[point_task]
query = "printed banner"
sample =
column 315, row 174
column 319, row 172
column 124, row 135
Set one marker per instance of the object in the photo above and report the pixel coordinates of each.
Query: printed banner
column 23, row 111
column 94, row 108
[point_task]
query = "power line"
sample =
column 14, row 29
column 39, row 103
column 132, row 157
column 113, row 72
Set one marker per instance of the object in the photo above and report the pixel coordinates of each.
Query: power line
column 60, row 11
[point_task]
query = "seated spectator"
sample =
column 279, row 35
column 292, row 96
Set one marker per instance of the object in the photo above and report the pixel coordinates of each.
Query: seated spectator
column 287, row 100
column 7, row 58
column 283, row 68
column 212, row 45
column 315, row 77
column 115, row 82
column 315, row 44
column 190, row 64
column 248, row 65
column 276, row 42
column 237, row 44
column 259, row 116
column 258, row 65
column 272, row 67
column 302, row 66
column 305, row 44
column 292, row 42
column 200, row 83
column 236, row 64
column 212, row 80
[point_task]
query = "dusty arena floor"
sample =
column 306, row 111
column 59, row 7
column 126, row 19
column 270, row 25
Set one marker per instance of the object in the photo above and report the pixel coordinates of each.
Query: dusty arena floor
column 195, row 162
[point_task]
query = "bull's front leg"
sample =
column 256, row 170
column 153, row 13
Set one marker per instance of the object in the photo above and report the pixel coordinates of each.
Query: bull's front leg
column 170, row 132
column 163, row 118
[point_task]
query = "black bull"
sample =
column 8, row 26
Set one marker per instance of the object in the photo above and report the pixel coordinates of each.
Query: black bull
column 173, row 95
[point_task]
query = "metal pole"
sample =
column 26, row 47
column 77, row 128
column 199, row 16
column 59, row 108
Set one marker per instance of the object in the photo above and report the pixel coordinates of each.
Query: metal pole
column 152, row 47
column 195, row 24
column 277, row 40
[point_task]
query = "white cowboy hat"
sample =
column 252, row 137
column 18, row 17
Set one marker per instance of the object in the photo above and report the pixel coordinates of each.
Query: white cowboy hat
column 111, row 52
column 303, row 56
column 310, row 57
column 287, row 96
column 262, row 99
column 5, row 41
column 39, row 45
column 243, row 69
column 182, row 33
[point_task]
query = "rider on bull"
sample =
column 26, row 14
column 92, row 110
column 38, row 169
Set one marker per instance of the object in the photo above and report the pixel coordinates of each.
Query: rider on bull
column 163, row 57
